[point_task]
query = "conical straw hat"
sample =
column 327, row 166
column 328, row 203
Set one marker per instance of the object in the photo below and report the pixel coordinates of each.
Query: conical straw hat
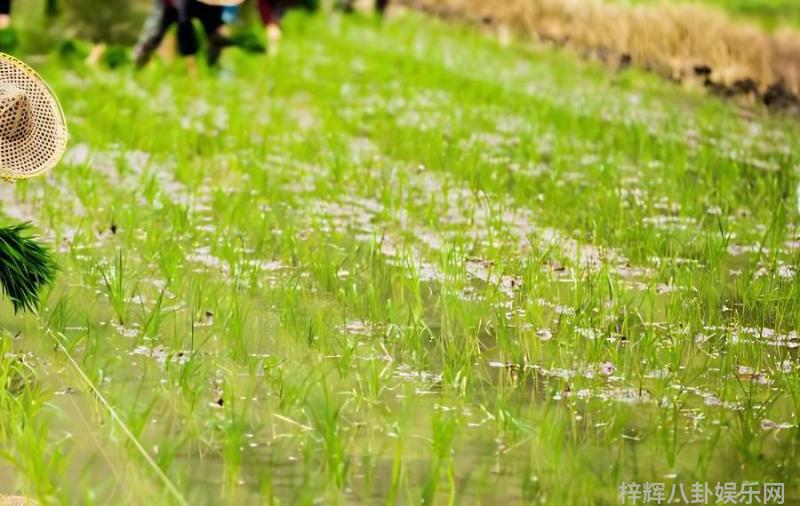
column 33, row 131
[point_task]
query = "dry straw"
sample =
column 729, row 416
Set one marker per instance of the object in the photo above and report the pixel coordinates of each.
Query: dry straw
column 16, row 500
column 685, row 42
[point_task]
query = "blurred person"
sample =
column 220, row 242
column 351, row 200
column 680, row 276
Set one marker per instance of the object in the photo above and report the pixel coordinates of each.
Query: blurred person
column 8, row 36
column 5, row 14
column 349, row 5
column 244, row 40
column 210, row 13
column 271, row 13
column 163, row 15
column 166, row 13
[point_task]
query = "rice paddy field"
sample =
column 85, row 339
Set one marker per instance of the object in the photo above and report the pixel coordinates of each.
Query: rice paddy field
column 403, row 263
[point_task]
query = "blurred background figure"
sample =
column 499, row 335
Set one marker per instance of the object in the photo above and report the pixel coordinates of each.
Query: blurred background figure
column 8, row 36
column 166, row 13
column 5, row 14
column 271, row 13
column 349, row 5
column 245, row 40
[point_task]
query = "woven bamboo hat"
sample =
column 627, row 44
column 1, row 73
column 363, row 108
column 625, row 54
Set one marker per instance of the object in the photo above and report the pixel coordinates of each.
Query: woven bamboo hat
column 222, row 3
column 33, row 131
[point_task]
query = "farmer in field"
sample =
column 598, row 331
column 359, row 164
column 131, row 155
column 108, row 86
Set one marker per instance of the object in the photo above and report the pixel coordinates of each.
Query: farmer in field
column 166, row 13
column 271, row 13
column 33, row 138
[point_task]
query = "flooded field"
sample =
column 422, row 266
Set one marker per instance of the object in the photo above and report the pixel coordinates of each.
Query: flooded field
column 402, row 263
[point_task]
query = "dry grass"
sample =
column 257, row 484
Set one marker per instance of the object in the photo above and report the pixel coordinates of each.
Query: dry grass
column 16, row 500
column 688, row 43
